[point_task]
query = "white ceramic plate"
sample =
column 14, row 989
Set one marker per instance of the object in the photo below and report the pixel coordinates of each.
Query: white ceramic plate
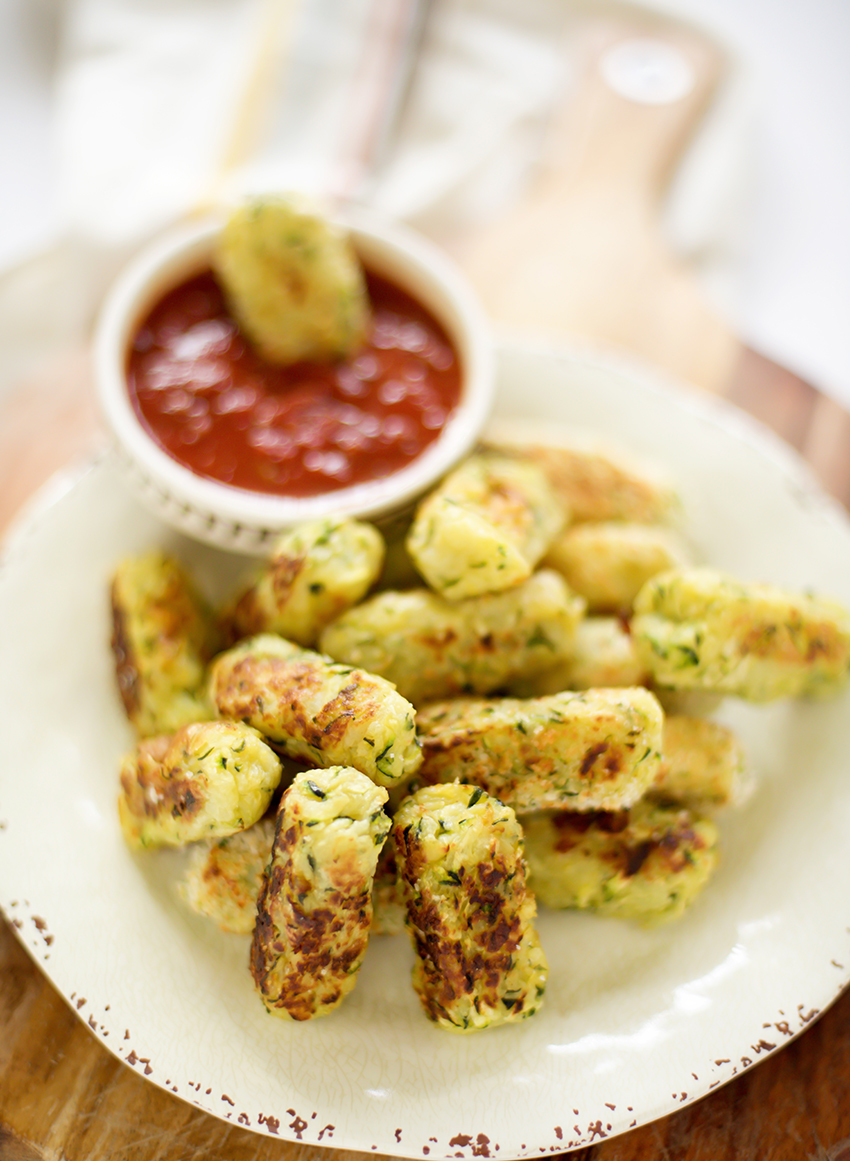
column 635, row 1024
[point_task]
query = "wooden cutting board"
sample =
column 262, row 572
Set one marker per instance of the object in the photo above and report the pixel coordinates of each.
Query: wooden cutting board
column 586, row 249
column 583, row 254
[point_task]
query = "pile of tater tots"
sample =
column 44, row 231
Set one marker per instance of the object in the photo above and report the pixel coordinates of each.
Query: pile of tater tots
column 506, row 704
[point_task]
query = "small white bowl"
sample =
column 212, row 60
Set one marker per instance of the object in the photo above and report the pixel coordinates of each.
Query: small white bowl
column 244, row 521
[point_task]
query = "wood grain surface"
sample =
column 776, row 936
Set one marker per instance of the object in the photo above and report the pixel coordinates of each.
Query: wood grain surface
column 63, row 1097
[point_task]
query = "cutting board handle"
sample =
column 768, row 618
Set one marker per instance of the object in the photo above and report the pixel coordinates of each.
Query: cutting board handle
column 641, row 91
column 582, row 254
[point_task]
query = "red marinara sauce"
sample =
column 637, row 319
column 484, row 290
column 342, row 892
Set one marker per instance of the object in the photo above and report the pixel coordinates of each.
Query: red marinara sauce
column 216, row 407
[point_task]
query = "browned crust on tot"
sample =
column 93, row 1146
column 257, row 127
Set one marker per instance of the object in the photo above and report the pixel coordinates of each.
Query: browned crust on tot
column 453, row 968
column 126, row 665
column 298, row 952
column 269, row 692
column 670, row 848
column 156, row 778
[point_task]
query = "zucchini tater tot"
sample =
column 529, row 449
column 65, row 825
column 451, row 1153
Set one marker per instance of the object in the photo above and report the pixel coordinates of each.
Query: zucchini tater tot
column 314, row 912
column 292, row 280
column 648, row 863
column 485, row 527
column 701, row 629
column 223, row 878
column 223, row 881
column 314, row 709
column 594, row 750
column 609, row 562
column 593, row 481
column 204, row 781
column 703, row 763
column 602, row 655
column 163, row 636
column 431, row 648
column 316, row 571
column 470, row 914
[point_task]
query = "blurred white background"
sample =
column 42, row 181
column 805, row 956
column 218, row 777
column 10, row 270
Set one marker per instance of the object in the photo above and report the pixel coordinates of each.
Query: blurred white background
column 789, row 293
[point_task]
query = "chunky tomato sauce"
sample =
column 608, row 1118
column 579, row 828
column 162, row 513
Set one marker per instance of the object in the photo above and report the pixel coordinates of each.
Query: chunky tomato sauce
column 217, row 408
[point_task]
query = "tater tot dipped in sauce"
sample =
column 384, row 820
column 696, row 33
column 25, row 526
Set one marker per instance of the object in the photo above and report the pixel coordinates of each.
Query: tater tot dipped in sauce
column 292, row 280
column 287, row 367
